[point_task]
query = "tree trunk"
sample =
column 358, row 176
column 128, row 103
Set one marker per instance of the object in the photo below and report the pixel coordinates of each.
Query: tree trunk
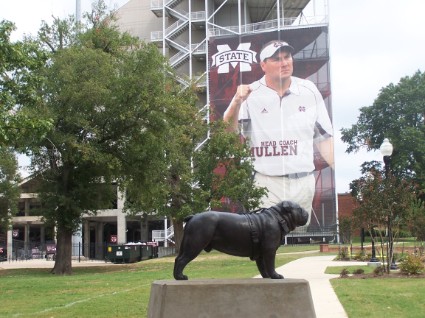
column 63, row 264
column 178, row 233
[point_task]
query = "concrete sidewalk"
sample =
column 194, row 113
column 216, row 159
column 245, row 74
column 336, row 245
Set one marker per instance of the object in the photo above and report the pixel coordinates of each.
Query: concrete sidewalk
column 42, row 263
column 312, row 269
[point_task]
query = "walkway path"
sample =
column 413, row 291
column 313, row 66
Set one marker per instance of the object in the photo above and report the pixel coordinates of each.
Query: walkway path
column 42, row 263
column 312, row 269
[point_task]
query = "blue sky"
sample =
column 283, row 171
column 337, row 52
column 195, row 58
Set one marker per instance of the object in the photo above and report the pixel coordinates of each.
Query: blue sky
column 373, row 43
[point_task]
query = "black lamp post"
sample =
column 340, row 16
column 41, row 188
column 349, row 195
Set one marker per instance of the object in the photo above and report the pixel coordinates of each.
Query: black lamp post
column 386, row 151
column 373, row 258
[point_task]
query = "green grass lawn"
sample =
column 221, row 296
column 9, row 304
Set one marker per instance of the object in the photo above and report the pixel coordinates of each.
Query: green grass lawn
column 114, row 290
column 381, row 297
column 124, row 290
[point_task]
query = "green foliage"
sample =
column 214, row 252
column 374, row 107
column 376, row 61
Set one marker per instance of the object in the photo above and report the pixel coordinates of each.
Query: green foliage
column 344, row 273
column 411, row 265
column 343, row 253
column 361, row 256
column 417, row 219
column 358, row 271
column 112, row 119
column 9, row 190
column 186, row 128
column 19, row 83
column 118, row 118
column 378, row 198
column 398, row 114
column 394, row 202
column 384, row 203
column 230, row 159
column 379, row 270
column 346, row 229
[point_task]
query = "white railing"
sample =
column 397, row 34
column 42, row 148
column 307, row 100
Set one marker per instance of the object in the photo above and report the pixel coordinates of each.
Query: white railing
column 162, row 235
column 178, row 57
column 158, row 4
column 179, row 45
column 266, row 25
column 200, row 48
column 179, row 13
column 157, row 36
column 198, row 16
column 176, row 26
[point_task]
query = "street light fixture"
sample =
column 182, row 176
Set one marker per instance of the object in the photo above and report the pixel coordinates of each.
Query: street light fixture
column 386, row 151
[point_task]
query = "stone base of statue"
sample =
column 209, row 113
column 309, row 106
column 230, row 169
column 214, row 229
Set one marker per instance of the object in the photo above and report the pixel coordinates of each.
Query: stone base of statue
column 211, row 298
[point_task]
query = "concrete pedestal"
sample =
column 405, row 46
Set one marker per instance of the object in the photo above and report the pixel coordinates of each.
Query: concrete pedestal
column 233, row 298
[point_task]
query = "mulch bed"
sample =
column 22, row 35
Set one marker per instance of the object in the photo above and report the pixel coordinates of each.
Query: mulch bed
column 383, row 276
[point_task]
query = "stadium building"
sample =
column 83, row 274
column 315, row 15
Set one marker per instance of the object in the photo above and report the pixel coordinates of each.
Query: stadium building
column 191, row 33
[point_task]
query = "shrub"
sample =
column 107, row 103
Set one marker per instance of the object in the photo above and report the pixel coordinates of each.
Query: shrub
column 361, row 256
column 379, row 271
column 344, row 273
column 358, row 271
column 397, row 257
column 411, row 265
column 343, row 254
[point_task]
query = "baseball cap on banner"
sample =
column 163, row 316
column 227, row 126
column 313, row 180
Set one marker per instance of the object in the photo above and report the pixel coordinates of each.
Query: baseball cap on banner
column 272, row 47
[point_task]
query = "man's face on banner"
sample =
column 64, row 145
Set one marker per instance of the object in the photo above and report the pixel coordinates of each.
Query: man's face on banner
column 278, row 67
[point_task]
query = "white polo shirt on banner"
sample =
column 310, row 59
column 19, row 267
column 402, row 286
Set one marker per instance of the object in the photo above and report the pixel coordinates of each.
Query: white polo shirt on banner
column 281, row 130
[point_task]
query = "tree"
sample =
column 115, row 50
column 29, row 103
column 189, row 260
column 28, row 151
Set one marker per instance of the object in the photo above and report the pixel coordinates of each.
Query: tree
column 9, row 190
column 384, row 203
column 178, row 194
column 398, row 114
column 18, row 85
column 416, row 222
column 19, row 126
column 112, row 101
column 346, row 229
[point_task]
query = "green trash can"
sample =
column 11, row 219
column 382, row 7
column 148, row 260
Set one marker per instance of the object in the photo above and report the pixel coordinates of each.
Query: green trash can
column 145, row 252
column 123, row 253
column 114, row 254
column 154, row 251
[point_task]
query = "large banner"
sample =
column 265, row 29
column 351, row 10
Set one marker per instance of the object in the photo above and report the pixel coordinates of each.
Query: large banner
column 274, row 89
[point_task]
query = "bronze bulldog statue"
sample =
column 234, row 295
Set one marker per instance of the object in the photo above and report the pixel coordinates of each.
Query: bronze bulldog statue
column 256, row 235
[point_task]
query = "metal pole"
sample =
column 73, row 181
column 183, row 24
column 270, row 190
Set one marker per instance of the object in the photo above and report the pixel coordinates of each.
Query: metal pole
column 387, row 161
column 165, row 232
column 373, row 259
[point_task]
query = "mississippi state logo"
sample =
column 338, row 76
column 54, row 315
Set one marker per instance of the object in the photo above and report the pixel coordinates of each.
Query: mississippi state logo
column 226, row 57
